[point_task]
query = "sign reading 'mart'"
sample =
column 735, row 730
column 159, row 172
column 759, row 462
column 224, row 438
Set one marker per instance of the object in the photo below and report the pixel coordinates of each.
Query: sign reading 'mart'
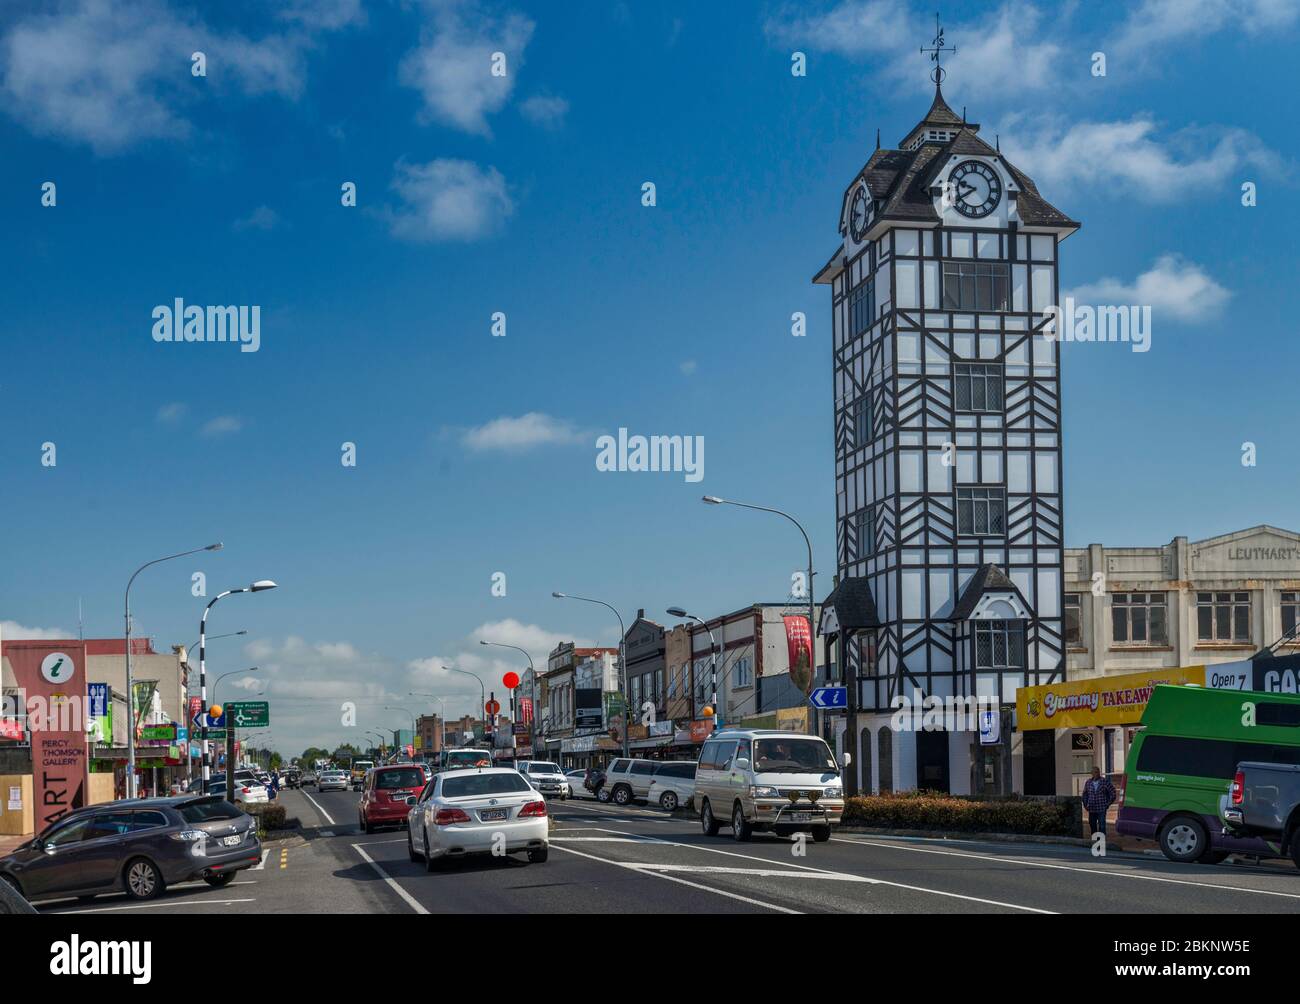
column 52, row 677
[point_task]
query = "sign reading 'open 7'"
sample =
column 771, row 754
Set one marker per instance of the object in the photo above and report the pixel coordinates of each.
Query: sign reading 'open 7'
column 248, row 714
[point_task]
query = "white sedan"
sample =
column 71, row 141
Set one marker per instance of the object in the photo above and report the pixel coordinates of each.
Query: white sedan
column 486, row 810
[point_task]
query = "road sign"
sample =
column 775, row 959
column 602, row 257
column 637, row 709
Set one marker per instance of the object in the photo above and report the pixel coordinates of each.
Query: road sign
column 211, row 733
column 206, row 721
column 829, row 697
column 249, row 714
column 492, row 707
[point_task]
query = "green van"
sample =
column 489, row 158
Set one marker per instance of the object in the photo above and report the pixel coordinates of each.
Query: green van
column 1183, row 759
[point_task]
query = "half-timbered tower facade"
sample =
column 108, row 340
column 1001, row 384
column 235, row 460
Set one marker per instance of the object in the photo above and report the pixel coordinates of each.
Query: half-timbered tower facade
column 948, row 493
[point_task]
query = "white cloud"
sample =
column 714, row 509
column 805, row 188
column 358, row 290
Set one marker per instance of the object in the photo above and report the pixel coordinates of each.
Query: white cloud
column 13, row 631
column 261, row 218
column 521, row 433
column 452, row 66
column 1190, row 164
column 171, row 413
column 222, row 425
column 1153, row 25
column 447, row 200
column 545, row 110
column 111, row 74
column 325, row 14
column 1172, row 287
column 1004, row 52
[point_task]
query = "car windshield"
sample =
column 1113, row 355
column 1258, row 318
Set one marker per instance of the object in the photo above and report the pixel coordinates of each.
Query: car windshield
column 543, row 768
column 409, row 778
column 471, row 785
column 792, row 756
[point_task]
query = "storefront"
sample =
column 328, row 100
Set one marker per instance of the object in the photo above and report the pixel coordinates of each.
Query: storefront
column 1098, row 716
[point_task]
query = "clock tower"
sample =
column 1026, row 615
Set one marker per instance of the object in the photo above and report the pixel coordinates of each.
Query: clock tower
column 948, row 494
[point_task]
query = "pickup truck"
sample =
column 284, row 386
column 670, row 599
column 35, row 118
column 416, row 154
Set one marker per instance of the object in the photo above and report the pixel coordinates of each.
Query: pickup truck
column 1264, row 801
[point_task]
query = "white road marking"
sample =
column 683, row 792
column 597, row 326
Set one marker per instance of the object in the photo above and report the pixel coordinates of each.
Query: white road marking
column 1069, row 868
column 328, row 818
column 411, row 901
column 680, row 881
column 154, row 906
column 810, row 868
column 760, row 872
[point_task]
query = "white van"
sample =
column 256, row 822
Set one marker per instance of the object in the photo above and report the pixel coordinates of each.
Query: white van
column 768, row 780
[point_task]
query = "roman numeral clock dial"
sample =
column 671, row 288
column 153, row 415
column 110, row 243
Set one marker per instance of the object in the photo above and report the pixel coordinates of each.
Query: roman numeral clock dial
column 976, row 189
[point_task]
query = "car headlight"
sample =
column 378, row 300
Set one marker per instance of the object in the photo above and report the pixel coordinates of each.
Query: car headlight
column 834, row 793
column 763, row 791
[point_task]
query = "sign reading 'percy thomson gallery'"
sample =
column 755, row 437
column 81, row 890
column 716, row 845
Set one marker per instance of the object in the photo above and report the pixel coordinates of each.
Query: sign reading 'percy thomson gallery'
column 1120, row 700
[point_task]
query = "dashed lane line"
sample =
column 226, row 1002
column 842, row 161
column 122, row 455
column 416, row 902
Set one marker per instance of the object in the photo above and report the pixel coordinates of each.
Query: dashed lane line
column 155, row 906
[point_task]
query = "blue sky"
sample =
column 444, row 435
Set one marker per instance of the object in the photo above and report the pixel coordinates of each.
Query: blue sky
column 522, row 194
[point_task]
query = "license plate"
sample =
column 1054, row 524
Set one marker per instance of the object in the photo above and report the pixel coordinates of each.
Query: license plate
column 493, row 814
column 801, row 817
column 231, row 841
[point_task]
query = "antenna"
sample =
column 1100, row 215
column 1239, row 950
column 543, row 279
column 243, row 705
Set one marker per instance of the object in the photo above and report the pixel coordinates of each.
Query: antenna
column 877, row 137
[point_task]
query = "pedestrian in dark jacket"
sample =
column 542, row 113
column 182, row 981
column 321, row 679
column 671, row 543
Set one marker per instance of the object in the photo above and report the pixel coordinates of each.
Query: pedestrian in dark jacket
column 1098, row 794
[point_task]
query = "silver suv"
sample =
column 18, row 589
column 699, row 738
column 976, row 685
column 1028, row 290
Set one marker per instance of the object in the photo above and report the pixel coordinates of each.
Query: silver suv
column 545, row 776
column 628, row 780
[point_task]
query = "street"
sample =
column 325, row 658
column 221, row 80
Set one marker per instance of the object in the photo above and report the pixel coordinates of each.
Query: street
column 613, row 860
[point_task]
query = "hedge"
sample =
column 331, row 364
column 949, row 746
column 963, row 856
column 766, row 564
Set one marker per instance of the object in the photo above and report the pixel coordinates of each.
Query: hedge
column 929, row 810
column 269, row 816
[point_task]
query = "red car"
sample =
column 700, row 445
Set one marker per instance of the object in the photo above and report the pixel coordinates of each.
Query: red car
column 383, row 798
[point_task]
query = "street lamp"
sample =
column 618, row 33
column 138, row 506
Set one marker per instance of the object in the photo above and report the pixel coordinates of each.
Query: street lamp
column 234, row 672
column 440, row 732
column 482, row 694
column 713, row 658
column 812, row 626
column 189, row 761
column 622, row 660
column 259, row 586
column 130, row 695
column 532, row 676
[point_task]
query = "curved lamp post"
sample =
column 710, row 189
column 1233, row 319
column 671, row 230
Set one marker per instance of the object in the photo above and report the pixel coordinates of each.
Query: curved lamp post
column 532, row 676
column 713, row 659
column 622, row 658
column 130, row 694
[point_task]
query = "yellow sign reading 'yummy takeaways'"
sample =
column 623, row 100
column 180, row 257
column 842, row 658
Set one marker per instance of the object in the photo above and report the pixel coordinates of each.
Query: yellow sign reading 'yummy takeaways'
column 1098, row 700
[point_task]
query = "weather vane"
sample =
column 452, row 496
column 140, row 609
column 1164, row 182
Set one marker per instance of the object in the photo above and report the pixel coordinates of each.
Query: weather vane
column 937, row 47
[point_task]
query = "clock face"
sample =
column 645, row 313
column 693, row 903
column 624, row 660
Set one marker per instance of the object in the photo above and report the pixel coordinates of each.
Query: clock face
column 858, row 215
column 975, row 189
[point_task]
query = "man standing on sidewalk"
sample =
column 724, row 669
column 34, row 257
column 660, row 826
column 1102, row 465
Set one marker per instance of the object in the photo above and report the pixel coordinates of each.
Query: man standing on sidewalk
column 1098, row 794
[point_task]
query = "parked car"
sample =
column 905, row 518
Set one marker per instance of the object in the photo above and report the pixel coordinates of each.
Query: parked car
column 461, row 812
column 761, row 779
column 627, row 780
column 333, row 780
column 292, row 779
column 246, row 793
column 546, row 777
column 1264, row 801
column 138, row 847
column 673, row 785
column 577, row 780
column 383, row 799
column 308, row 777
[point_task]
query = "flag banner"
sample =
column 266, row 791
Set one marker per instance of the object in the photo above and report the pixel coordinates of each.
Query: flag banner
column 798, row 639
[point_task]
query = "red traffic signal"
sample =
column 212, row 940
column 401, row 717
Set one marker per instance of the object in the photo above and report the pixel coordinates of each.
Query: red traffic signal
column 511, row 680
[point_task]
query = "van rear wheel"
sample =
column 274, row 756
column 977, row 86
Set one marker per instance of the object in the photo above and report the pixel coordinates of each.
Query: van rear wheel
column 1183, row 839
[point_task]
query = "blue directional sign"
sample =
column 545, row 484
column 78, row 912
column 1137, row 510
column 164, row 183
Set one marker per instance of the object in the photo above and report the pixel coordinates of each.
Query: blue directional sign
column 205, row 721
column 829, row 697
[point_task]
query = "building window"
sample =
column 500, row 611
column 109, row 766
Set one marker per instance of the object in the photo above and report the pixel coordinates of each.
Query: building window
column 658, row 695
column 866, row 532
column 976, row 285
column 1000, row 645
column 1290, row 612
column 862, row 307
column 981, row 511
column 1073, row 620
column 977, row 386
column 744, row 673
column 1223, row 617
column 1139, row 619
column 862, row 432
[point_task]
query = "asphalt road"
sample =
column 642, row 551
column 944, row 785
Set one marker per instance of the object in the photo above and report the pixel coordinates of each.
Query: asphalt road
column 606, row 859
